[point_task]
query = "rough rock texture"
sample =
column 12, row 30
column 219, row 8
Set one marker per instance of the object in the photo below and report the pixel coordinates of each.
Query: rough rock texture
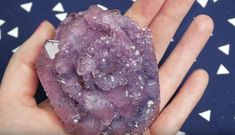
column 101, row 77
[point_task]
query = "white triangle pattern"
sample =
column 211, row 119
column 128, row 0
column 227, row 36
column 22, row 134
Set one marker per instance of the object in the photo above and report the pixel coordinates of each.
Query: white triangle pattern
column 203, row 3
column 61, row 16
column 206, row 115
column 14, row 32
column 102, row 7
column 222, row 70
column 27, row 6
column 225, row 49
column 15, row 50
column 215, row 1
column 58, row 7
column 180, row 133
column 232, row 21
column 2, row 22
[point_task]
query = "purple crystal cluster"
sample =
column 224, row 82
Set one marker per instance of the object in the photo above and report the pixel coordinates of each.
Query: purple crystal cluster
column 102, row 75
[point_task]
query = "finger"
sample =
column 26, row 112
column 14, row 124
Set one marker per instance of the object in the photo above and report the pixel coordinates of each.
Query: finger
column 167, row 22
column 54, row 121
column 46, row 105
column 147, row 132
column 174, row 115
column 20, row 77
column 143, row 11
column 181, row 59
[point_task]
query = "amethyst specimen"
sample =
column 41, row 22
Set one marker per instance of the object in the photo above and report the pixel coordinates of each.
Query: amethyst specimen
column 101, row 77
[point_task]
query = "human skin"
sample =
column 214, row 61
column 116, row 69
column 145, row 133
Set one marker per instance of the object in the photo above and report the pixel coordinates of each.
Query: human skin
column 21, row 115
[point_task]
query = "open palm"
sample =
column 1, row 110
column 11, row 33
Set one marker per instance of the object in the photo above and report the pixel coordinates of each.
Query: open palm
column 20, row 115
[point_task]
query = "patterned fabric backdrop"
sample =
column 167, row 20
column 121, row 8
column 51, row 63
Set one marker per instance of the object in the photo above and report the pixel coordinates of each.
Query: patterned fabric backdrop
column 214, row 115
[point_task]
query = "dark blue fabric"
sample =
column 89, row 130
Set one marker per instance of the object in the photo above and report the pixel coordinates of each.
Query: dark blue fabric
column 220, row 94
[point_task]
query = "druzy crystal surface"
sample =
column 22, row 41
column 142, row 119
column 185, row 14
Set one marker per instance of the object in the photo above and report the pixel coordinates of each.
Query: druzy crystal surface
column 100, row 74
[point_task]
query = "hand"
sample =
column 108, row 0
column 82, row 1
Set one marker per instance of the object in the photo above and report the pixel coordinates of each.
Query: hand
column 20, row 114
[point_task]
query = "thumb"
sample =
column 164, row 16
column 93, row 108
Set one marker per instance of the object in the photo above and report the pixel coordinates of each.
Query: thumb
column 20, row 78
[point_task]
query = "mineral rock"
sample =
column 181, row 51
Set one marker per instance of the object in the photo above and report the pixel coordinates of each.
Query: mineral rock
column 101, row 74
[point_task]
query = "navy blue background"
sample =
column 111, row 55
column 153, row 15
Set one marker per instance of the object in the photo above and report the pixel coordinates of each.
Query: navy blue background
column 220, row 94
